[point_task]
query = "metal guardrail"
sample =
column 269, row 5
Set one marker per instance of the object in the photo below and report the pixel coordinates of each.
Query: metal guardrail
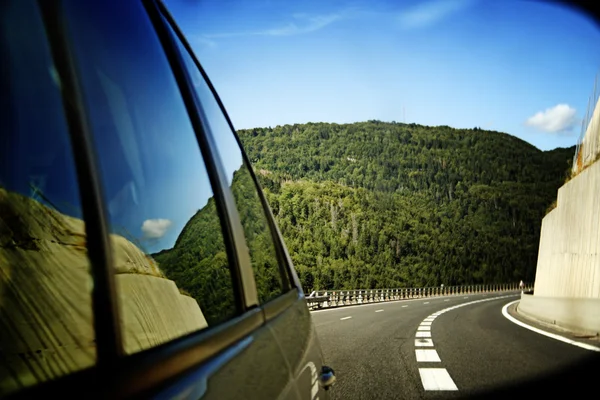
column 338, row 298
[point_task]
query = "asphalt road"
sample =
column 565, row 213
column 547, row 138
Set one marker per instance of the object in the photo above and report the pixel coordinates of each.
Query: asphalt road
column 469, row 350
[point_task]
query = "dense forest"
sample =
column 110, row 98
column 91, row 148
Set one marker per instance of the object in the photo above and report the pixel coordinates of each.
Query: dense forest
column 375, row 204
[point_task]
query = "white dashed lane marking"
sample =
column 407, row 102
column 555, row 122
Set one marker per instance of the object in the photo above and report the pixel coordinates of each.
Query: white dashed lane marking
column 378, row 310
column 422, row 342
column 404, row 306
column 341, row 319
column 436, row 379
column 429, row 355
column 426, row 302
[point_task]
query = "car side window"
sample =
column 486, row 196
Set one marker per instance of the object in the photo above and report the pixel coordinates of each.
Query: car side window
column 46, row 318
column 269, row 272
column 173, row 274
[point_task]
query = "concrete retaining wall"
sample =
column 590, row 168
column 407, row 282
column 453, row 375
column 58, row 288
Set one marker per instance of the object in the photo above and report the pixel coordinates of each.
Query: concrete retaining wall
column 568, row 259
column 154, row 312
column 46, row 321
column 589, row 148
column 577, row 314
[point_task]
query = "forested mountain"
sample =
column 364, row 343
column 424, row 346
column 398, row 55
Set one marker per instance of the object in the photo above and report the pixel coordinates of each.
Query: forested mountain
column 375, row 204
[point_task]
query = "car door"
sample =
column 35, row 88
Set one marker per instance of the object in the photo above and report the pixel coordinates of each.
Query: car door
column 279, row 291
column 169, row 307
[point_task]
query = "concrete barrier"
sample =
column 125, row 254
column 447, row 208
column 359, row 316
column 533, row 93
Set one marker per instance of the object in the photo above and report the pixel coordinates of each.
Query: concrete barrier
column 569, row 253
column 576, row 314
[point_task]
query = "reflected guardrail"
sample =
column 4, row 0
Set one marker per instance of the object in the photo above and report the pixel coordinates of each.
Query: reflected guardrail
column 338, row 298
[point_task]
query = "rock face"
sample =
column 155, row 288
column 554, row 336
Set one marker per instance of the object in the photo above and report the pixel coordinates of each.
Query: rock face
column 46, row 321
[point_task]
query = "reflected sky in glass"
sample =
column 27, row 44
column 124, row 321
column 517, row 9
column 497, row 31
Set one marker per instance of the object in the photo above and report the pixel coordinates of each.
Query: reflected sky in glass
column 153, row 175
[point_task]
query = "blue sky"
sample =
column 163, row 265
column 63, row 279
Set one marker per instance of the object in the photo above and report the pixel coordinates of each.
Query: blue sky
column 521, row 67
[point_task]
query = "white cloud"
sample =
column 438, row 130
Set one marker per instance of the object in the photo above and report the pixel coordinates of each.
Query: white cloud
column 203, row 40
column 155, row 228
column 560, row 118
column 426, row 14
column 310, row 23
column 304, row 23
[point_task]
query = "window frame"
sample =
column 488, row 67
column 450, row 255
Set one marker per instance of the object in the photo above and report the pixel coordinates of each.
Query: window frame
column 290, row 280
column 233, row 231
column 116, row 374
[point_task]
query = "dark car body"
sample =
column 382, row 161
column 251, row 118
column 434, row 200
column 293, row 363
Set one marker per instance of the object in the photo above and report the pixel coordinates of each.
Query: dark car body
column 139, row 256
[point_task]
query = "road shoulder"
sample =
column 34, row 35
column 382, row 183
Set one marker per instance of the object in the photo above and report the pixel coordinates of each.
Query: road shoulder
column 513, row 311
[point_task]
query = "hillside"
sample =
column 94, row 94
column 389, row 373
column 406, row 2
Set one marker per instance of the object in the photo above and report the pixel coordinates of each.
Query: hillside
column 377, row 204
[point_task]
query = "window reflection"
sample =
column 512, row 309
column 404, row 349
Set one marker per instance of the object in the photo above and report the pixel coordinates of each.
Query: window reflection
column 46, row 321
column 253, row 218
column 173, row 274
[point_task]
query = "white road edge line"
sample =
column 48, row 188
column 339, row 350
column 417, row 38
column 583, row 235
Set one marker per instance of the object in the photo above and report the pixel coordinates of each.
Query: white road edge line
column 341, row 319
column 541, row 332
column 436, row 379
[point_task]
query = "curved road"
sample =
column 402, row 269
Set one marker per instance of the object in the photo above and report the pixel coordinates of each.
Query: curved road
column 448, row 347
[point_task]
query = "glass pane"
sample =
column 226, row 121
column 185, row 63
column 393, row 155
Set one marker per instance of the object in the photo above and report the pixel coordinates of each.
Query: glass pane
column 173, row 274
column 258, row 235
column 46, row 321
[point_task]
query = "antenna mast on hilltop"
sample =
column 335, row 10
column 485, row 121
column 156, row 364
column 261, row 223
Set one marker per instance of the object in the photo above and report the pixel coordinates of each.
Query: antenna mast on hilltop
column 403, row 115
